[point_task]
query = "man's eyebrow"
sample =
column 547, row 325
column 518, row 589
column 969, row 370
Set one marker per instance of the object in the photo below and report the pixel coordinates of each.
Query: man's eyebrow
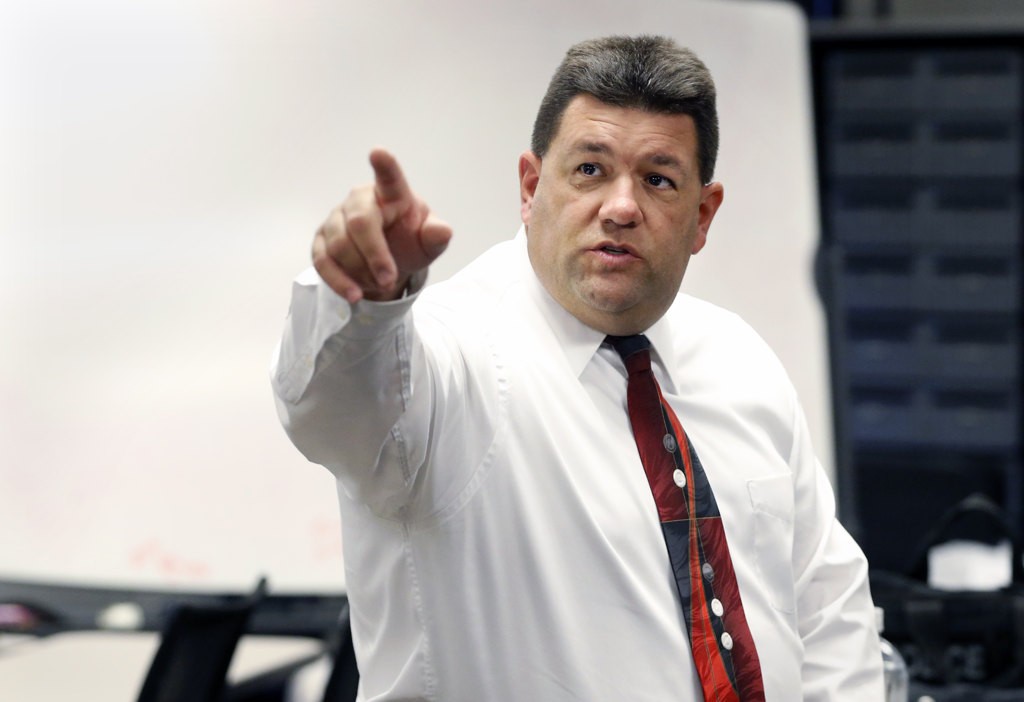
column 657, row 159
column 666, row 160
column 591, row 147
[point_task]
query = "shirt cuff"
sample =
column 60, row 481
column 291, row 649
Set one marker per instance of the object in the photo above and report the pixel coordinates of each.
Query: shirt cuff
column 370, row 319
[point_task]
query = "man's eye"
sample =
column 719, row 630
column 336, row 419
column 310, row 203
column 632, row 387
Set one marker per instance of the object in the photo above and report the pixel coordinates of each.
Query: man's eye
column 660, row 181
column 589, row 169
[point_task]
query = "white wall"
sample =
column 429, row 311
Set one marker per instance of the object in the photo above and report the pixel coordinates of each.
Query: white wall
column 165, row 165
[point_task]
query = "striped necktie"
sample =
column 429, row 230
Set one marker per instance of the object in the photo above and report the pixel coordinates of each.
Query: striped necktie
column 723, row 649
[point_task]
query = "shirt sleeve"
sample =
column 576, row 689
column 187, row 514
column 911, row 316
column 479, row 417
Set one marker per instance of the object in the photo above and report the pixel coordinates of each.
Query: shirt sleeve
column 842, row 653
column 366, row 392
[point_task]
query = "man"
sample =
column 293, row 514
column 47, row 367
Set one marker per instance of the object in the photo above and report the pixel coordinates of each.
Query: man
column 509, row 536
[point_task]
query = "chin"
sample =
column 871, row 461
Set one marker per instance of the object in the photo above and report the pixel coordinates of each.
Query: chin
column 613, row 302
column 619, row 320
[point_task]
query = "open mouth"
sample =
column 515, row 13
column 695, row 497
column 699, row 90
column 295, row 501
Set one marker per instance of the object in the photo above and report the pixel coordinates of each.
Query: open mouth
column 614, row 250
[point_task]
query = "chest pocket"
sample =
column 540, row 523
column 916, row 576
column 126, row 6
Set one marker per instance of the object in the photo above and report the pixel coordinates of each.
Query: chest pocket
column 772, row 501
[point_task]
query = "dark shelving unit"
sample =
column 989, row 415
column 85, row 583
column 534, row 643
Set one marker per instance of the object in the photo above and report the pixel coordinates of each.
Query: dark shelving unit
column 920, row 145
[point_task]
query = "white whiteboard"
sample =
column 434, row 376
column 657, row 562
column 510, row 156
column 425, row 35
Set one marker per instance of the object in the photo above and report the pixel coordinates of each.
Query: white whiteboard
column 165, row 165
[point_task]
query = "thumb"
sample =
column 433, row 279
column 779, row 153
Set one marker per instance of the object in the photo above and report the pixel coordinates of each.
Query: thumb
column 434, row 235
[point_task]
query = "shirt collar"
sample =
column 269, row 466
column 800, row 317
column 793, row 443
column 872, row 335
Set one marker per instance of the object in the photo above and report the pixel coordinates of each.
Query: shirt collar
column 580, row 342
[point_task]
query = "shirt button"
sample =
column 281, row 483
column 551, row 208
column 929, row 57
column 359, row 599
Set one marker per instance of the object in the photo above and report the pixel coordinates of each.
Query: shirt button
column 669, row 442
column 680, row 478
column 708, row 571
column 716, row 607
column 726, row 641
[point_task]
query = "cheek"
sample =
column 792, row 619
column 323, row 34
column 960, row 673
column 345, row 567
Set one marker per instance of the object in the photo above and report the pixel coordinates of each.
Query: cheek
column 535, row 212
column 545, row 249
column 543, row 224
column 677, row 252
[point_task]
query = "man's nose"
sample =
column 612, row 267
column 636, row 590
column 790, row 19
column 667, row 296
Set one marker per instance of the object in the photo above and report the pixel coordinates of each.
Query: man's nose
column 620, row 207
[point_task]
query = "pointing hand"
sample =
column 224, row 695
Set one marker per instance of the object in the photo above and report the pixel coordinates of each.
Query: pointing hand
column 379, row 237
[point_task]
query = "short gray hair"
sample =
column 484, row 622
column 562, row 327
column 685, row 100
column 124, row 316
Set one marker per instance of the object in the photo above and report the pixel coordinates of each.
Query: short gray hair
column 650, row 73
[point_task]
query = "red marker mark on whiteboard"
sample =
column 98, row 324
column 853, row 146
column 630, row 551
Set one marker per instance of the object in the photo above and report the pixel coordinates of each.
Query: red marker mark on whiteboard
column 153, row 557
column 326, row 539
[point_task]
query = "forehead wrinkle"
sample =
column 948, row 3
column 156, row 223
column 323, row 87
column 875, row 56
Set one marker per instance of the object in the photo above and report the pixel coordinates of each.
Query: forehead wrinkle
column 658, row 158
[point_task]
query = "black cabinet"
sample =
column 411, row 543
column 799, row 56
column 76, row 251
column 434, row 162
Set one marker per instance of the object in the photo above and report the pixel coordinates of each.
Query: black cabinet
column 920, row 151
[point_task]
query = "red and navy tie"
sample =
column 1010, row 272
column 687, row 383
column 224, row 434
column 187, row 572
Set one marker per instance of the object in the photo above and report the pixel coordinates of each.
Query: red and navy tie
column 723, row 649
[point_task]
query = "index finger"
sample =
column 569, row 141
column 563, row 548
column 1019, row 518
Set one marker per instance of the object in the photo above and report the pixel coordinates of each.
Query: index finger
column 390, row 182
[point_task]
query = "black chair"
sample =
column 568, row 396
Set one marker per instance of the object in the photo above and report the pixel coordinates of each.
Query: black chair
column 196, row 648
column 343, row 683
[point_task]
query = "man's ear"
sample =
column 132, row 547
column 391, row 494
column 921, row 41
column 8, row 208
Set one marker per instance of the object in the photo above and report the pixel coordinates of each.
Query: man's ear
column 711, row 196
column 529, row 177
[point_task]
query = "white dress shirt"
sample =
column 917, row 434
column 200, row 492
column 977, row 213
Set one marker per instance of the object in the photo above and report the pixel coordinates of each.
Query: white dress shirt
column 501, row 540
